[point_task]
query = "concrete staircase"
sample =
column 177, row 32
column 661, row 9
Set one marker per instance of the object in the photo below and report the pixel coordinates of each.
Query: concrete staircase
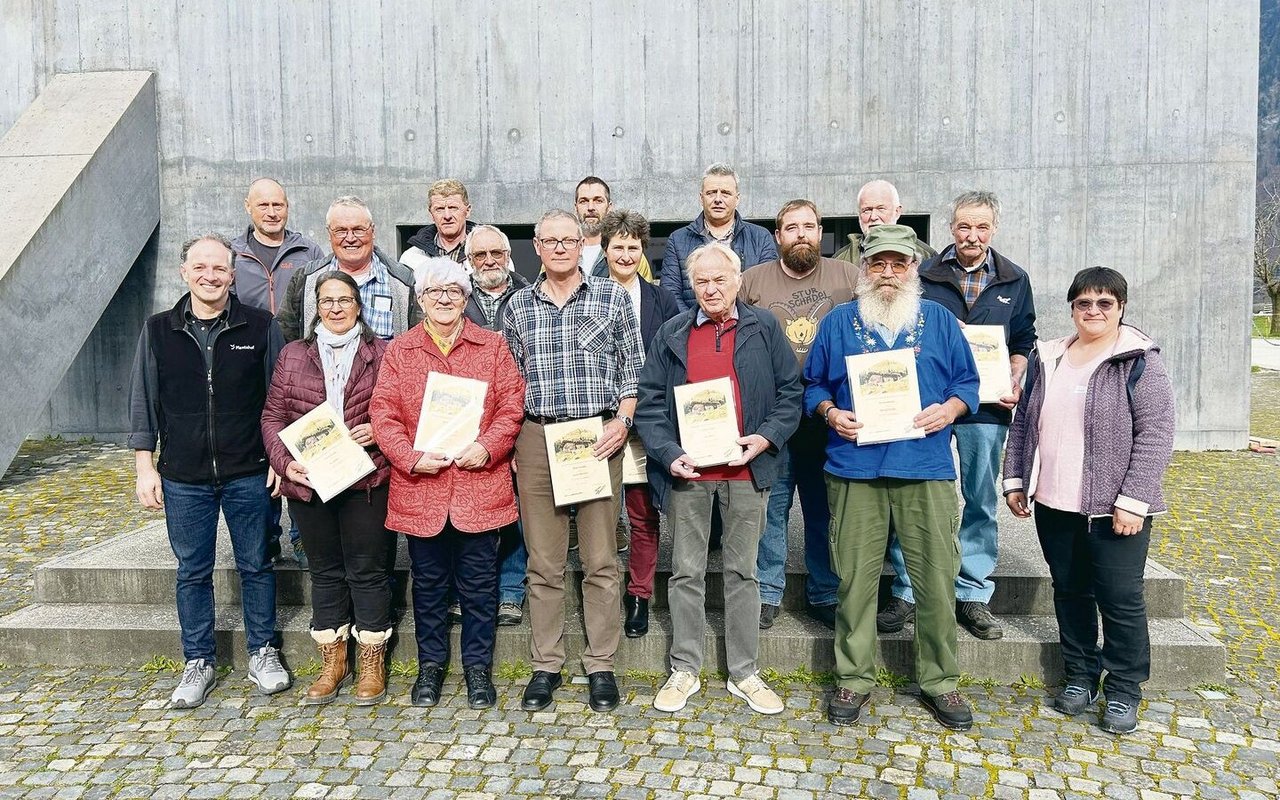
column 113, row 603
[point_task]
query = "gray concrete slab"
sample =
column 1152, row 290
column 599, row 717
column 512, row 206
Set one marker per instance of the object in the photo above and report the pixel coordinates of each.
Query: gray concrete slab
column 1265, row 353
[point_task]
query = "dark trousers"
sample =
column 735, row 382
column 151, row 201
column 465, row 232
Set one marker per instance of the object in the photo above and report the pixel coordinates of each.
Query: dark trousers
column 468, row 562
column 1097, row 572
column 347, row 543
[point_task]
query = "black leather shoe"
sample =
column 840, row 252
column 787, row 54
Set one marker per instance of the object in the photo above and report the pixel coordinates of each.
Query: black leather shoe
column 826, row 614
column 636, row 623
column 426, row 689
column 480, row 690
column 768, row 613
column 604, row 691
column 540, row 691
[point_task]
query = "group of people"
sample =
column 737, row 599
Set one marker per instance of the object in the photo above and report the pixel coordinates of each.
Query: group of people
column 271, row 328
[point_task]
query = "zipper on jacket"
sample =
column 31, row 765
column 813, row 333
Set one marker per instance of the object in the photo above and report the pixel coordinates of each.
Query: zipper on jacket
column 208, row 372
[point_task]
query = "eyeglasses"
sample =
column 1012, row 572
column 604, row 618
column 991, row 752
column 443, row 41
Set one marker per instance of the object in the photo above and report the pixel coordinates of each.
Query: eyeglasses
column 479, row 256
column 881, row 266
column 343, row 233
column 1103, row 304
column 341, row 302
column 436, row 292
column 556, row 244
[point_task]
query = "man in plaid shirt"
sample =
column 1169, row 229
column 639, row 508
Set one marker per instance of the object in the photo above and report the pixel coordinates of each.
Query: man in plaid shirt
column 577, row 342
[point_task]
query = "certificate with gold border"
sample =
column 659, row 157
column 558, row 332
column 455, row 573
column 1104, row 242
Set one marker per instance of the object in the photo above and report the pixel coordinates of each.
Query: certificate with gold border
column 886, row 395
column 707, row 416
column 320, row 441
column 576, row 474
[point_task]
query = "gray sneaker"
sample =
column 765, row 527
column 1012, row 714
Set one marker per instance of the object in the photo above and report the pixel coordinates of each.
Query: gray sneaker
column 266, row 671
column 198, row 679
column 1075, row 699
column 1119, row 717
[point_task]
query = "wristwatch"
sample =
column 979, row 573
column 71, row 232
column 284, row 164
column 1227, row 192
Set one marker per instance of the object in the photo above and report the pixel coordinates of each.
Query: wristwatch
column 628, row 421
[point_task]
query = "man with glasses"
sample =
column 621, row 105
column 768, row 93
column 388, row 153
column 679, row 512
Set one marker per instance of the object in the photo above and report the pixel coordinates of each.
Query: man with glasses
column 878, row 204
column 386, row 288
column 576, row 340
column 450, row 212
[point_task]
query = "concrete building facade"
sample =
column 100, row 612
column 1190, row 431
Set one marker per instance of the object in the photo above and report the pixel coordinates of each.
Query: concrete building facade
column 1117, row 133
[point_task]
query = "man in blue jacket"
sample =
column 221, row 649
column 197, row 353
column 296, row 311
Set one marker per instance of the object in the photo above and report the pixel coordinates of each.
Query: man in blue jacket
column 718, row 222
column 980, row 287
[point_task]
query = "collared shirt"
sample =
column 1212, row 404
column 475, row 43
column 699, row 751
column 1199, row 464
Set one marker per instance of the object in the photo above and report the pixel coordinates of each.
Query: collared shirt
column 205, row 331
column 972, row 279
column 375, row 296
column 578, row 360
column 488, row 302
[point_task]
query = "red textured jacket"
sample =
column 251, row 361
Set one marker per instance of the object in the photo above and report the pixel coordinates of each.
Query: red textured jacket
column 477, row 500
column 297, row 386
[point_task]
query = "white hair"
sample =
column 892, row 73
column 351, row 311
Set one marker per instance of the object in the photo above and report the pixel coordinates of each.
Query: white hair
column 442, row 272
column 348, row 201
column 712, row 247
column 879, row 183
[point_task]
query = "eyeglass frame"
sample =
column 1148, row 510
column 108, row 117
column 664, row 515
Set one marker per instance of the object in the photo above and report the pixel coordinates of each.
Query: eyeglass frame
column 452, row 291
column 1085, row 305
column 878, row 267
column 343, row 303
column 360, row 232
column 568, row 244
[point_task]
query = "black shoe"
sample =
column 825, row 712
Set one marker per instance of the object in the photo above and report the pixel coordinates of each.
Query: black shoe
column 826, row 614
column 603, row 691
column 1120, row 717
column 977, row 619
column 454, row 615
column 768, row 613
column 426, row 689
column 480, row 690
column 949, row 709
column 509, row 613
column 897, row 613
column 540, row 692
column 573, row 532
column 620, row 537
column 636, row 621
column 1075, row 698
column 846, row 706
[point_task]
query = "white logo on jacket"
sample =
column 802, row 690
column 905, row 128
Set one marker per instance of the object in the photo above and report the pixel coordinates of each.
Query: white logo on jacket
column 242, row 347
column 1005, row 300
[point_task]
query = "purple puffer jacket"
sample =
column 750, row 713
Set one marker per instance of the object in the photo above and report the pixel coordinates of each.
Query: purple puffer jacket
column 297, row 386
column 1127, row 447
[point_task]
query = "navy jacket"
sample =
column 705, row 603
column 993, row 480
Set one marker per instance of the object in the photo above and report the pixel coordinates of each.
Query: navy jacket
column 1006, row 301
column 753, row 244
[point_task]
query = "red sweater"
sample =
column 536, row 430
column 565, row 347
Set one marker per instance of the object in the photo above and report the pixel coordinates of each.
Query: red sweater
column 710, row 357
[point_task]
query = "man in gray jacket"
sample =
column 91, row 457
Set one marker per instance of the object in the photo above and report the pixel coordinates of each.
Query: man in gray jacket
column 267, row 253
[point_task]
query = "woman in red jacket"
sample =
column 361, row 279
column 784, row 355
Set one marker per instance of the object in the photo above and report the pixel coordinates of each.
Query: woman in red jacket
column 346, row 539
column 450, row 508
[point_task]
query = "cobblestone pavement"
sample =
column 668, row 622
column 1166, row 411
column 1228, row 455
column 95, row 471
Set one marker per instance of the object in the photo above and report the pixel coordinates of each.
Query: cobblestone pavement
column 95, row 732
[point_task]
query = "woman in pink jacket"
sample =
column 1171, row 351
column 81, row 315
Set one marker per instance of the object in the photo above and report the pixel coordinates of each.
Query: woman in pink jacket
column 346, row 538
column 450, row 509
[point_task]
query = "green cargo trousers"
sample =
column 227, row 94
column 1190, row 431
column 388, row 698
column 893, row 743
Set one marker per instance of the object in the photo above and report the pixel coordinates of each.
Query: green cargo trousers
column 925, row 516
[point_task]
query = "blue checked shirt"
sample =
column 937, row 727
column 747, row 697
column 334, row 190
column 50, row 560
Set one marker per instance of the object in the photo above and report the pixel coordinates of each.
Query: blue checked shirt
column 972, row 281
column 375, row 296
column 580, row 360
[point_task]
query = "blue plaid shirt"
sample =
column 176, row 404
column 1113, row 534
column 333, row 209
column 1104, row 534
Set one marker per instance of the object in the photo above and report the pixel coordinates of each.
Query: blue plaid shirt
column 580, row 360
column 375, row 296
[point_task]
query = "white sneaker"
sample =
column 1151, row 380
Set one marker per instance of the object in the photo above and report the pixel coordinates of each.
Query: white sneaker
column 676, row 691
column 198, row 679
column 757, row 694
column 266, row 671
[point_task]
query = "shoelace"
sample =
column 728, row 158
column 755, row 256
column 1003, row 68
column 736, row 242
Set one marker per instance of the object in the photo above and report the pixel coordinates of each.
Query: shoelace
column 269, row 660
column 684, row 680
column 369, row 657
column 1074, row 691
column 1117, row 709
column 750, row 684
column 949, row 699
column 977, row 611
column 191, row 675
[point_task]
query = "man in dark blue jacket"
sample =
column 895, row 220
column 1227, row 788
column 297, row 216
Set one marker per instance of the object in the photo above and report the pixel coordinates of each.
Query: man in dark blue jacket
column 980, row 287
column 718, row 222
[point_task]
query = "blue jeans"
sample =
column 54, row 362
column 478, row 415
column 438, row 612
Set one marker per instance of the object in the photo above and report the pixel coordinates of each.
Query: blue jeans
column 513, row 560
column 799, row 467
column 191, row 511
column 979, row 446
column 273, row 522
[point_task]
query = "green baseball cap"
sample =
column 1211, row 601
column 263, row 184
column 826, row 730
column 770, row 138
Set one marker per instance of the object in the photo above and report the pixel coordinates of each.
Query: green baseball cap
column 890, row 239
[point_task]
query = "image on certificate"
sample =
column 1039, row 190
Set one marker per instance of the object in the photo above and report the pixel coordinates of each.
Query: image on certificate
column 320, row 441
column 886, row 395
column 576, row 474
column 707, row 417
column 452, row 408
column 991, row 353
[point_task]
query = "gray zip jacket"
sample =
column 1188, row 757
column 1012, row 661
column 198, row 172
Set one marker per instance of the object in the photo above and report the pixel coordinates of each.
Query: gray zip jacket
column 263, row 285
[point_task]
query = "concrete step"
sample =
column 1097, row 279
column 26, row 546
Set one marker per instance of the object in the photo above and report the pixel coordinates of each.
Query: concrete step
column 68, row 634
column 139, row 567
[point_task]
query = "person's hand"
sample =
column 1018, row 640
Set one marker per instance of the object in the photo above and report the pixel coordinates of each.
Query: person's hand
column 273, row 482
column 683, row 467
column 362, row 434
column 149, row 490
column 431, row 463
column 473, row 457
column 1126, row 523
column 298, row 474
column 934, row 418
column 1017, row 503
column 753, row 445
column 611, row 441
column 1010, row 401
column 844, row 423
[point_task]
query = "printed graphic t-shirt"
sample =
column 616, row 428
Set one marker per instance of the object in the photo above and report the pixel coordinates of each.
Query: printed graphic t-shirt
column 799, row 303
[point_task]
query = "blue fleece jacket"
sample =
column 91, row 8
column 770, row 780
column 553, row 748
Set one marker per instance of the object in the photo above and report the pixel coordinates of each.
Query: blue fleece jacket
column 753, row 244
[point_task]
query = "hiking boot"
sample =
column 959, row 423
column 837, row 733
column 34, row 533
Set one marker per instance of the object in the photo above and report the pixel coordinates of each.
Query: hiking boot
column 266, row 671
column 949, row 709
column 198, row 679
column 977, row 619
column 334, row 672
column 895, row 616
column 620, row 536
column 510, row 614
column 846, row 706
column 675, row 693
column 1120, row 717
column 371, row 649
column 757, row 693
column 768, row 613
column 1075, row 698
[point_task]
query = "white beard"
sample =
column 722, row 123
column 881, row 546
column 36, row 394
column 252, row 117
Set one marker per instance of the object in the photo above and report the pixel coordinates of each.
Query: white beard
column 896, row 313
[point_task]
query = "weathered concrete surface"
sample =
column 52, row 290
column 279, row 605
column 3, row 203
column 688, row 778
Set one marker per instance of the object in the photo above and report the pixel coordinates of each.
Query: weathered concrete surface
column 79, row 193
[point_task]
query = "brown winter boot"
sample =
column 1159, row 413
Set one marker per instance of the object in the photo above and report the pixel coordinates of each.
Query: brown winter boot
column 334, row 673
column 372, row 684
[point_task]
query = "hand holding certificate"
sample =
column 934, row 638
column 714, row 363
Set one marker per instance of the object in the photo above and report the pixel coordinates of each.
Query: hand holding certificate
column 991, row 352
column 320, row 441
column 707, row 416
column 886, row 395
column 576, row 474
column 452, row 408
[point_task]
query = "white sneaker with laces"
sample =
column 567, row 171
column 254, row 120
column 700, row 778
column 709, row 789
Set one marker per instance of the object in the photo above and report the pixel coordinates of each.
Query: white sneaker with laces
column 198, row 679
column 676, row 691
column 757, row 693
column 266, row 671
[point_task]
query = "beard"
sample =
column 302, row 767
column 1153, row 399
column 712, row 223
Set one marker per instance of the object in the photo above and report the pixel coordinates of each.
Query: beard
column 896, row 312
column 801, row 257
column 590, row 227
column 492, row 279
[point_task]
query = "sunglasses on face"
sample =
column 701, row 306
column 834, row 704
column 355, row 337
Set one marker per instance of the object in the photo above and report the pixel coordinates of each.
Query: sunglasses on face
column 1104, row 305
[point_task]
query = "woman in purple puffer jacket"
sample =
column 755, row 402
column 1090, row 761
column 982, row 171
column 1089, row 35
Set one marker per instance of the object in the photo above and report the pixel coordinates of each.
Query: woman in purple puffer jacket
column 1089, row 444
column 346, row 539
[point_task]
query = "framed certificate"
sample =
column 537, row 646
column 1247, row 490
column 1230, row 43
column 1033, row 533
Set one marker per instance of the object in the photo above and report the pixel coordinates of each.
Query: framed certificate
column 991, row 352
column 451, row 411
column 576, row 474
column 707, row 416
column 320, row 441
column 886, row 395
column 634, row 460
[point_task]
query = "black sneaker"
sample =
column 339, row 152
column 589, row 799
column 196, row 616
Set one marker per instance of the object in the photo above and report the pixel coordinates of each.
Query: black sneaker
column 1075, row 698
column 896, row 614
column 1120, row 717
column 768, row 613
column 846, row 706
column 949, row 709
column 977, row 619
column 826, row 613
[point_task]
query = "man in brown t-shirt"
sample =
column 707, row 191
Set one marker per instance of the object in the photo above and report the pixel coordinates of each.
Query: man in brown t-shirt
column 799, row 288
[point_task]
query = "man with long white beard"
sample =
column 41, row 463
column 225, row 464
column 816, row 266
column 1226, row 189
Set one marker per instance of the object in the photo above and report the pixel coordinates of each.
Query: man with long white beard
column 911, row 481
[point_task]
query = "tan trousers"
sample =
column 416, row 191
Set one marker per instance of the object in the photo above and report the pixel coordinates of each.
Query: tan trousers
column 546, row 537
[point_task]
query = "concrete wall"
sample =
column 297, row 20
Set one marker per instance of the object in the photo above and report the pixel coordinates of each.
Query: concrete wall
column 1120, row 133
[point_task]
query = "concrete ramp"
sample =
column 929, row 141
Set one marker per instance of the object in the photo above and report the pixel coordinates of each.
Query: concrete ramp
column 79, row 198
